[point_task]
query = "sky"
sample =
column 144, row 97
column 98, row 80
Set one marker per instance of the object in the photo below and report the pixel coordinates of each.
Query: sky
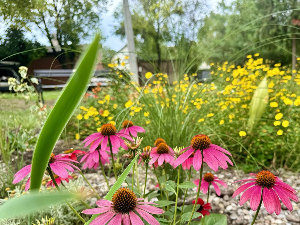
column 107, row 22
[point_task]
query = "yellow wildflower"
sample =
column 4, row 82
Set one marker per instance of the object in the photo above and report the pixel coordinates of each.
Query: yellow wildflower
column 200, row 120
column 128, row 104
column 126, row 57
column 77, row 136
column 115, row 106
column 273, row 104
column 79, row 117
column 221, row 122
column 242, row 133
column 277, row 123
column 285, row 123
column 278, row 116
column 110, row 118
column 112, row 122
column 148, row 121
column 105, row 113
column 210, row 115
column 146, row 114
column 148, row 75
column 86, row 116
column 280, row 132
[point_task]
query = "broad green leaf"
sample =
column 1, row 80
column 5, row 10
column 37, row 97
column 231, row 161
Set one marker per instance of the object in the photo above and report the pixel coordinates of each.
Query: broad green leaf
column 169, row 186
column 152, row 195
column 258, row 103
column 186, row 216
column 164, row 203
column 62, row 112
column 215, row 219
column 117, row 185
column 189, row 208
column 187, row 184
column 32, row 202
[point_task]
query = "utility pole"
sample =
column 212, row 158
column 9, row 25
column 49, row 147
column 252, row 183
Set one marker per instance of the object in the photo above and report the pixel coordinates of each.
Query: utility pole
column 130, row 42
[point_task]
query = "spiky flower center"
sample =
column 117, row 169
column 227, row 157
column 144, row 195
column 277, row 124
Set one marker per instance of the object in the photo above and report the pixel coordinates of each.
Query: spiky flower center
column 265, row 179
column 208, row 177
column 200, row 141
column 162, row 148
column 158, row 141
column 52, row 158
column 127, row 123
column 124, row 200
column 69, row 151
column 147, row 149
column 108, row 129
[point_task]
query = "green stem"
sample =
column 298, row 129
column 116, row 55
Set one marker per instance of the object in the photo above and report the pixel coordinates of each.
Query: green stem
column 208, row 193
column 103, row 172
column 176, row 196
column 198, row 192
column 137, row 177
column 167, row 193
column 158, row 182
column 185, row 194
column 132, row 177
column 71, row 207
column 145, row 180
column 95, row 192
column 112, row 158
column 256, row 214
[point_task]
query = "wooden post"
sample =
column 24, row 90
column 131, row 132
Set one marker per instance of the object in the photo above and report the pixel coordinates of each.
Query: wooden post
column 130, row 42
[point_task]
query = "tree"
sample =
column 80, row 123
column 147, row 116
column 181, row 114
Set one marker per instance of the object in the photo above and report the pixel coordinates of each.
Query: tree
column 150, row 22
column 246, row 27
column 66, row 21
column 15, row 42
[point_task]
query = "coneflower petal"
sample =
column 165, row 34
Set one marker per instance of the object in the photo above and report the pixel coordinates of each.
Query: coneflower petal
column 116, row 220
column 268, row 201
column 255, row 198
column 149, row 218
column 135, row 219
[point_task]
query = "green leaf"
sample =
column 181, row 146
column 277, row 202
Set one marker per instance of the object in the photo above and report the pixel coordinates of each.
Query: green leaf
column 189, row 208
column 186, row 216
column 62, row 112
column 258, row 103
column 187, row 184
column 169, row 186
column 215, row 219
column 164, row 203
column 152, row 195
column 117, row 185
column 32, row 202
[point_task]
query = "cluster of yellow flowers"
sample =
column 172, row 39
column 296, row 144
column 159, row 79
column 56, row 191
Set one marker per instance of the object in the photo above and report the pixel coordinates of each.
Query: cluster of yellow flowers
column 223, row 102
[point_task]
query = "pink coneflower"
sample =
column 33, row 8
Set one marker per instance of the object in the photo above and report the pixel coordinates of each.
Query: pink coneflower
column 203, row 207
column 130, row 129
column 59, row 164
column 162, row 153
column 208, row 179
column 58, row 180
column 213, row 155
column 107, row 131
column 91, row 159
column 72, row 154
column 122, row 210
column 268, row 188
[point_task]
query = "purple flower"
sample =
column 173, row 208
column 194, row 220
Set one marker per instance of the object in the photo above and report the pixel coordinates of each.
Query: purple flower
column 59, row 164
column 122, row 210
column 162, row 153
column 130, row 129
column 107, row 131
column 213, row 155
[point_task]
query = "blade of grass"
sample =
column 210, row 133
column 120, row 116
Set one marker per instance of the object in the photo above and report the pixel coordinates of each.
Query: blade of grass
column 32, row 202
column 62, row 112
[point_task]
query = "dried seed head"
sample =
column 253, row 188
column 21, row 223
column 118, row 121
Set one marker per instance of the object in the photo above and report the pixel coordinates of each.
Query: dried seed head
column 208, row 177
column 158, row 141
column 124, row 200
column 265, row 179
column 108, row 129
column 201, row 142
column 162, row 148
